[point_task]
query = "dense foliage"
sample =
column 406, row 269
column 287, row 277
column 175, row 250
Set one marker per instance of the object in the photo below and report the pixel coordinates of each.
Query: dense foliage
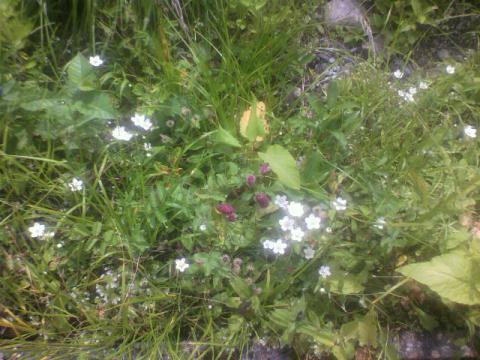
column 175, row 179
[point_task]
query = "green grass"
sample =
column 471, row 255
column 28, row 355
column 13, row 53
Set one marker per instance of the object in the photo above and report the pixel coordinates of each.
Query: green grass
column 106, row 286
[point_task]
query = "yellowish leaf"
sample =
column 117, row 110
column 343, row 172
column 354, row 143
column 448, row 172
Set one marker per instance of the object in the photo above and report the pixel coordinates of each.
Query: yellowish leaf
column 260, row 111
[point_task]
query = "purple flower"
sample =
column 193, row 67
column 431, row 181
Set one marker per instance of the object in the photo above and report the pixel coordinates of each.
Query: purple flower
column 251, row 179
column 232, row 217
column 265, row 169
column 262, row 199
column 225, row 208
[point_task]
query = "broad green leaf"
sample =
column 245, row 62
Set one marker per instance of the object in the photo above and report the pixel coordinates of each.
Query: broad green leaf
column 241, row 287
column 363, row 329
column 95, row 104
column 224, row 137
column 454, row 276
column 283, row 165
column 81, row 73
column 324, row 337
column 346, row 284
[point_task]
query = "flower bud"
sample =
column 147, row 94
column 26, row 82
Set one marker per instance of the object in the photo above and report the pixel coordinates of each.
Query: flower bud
column 251, row 179
column 232, row 217
column 225, row 208
column 265, row 169
column 262, row 199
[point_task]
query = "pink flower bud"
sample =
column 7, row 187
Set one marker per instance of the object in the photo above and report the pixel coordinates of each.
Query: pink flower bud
column 265, row 169
column 262, row 199
column 225, row 208
column 251, row 179
column 232, row 217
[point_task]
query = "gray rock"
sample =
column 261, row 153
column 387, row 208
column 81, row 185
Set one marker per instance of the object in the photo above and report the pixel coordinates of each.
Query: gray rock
column 344, row 12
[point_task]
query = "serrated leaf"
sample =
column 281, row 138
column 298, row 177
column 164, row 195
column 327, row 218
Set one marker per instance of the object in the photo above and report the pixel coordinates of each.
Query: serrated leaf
column 283, row 165
column 363, row 329
column 224, row 137
column 95, row 105
column 454, row 276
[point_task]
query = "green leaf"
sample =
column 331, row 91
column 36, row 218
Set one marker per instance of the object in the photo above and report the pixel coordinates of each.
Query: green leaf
column 95, row 105
column 81, row 73
column 332, row 94
column 454, row 276
column 324, row 337
column 282, row 164
column 224, row 137
column 241, row 287
column 346, row 284
column 363, row 329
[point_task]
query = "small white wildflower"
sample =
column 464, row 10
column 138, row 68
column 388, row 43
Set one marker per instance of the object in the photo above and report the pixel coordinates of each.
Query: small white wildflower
column 380, row 223
column 313, row 222
column 309, row 253
column 148, row 149
column 297, row 234
column 412, row 90
column 48, row 235
column 279, row 247
column 170, row 123
column 295, row 209
column 470, row 131
column 181, row 265
column 203, row 227
column 324, row 271
column 59, row 245
column 95, row 60
column 329, row 230
column 398, row 74
column 340, row 204
column 405, row 95
column 450, row 69
column 286, row 223
column 120, row 133
column 37, row 230
column 268, row 244
column 76, row 184
column 423, row 85
column 142, row 121
column 281, row 201
column 323, row 291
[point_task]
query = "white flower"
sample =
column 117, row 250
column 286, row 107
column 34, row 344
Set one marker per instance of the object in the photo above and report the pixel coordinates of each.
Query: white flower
column 470, row 131
column 380, row 223
column 398, row 74
column 142, row 121
column 120, row 133
column 279, row 247
column 281, row 201
column 324, row 271
column 37, row 230
column 181, row 265
column 48, row 235
column 297, row 234
column 286, row 223
column 423, row 85
column 76, row 184
column 95, row 60
column 329, row 230
column 340, row 204
column 412, row 90
column 309, row 253
column 203, row 227
column 313, row 222
column 405, row 95
column 450, row 69
column 295, row 209
column 148, row 149
column 268, row 244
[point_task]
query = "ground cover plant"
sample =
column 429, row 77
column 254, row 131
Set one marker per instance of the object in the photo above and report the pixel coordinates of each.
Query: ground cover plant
column 178, row 181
